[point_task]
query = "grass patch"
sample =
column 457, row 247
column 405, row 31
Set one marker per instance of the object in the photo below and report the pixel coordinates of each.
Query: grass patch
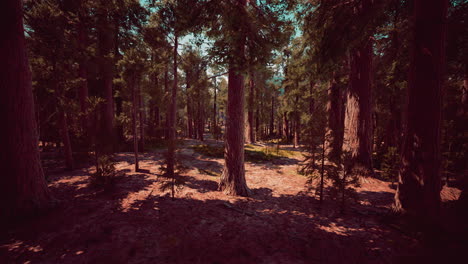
column 253, row 153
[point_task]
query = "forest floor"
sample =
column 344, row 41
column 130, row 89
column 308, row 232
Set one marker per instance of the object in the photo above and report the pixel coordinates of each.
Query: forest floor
column 133, row 221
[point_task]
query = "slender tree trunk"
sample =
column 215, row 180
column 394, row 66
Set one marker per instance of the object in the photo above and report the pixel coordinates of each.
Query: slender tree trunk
column 67, row 150
column 286, row 127
column 272, row 117
column 357, row 142
column 215, row 113
column 201, row 119
column 334, row 130
column 172, row 123
column 83, row 74
column 250, row 113
column 297, row 124
column 166, row 90
column 233, row 177
column 189, row 117
column 22, row 184
column 105, row 43
column 141, row 114
column 419, row 181
column 134, row 119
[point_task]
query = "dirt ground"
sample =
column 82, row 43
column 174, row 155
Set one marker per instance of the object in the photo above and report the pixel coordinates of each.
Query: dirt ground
column 135, row 222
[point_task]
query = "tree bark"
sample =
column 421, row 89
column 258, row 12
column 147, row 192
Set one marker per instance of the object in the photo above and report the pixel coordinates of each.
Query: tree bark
column 22, row 185
column 166, row 90
column 233, row 177
column 419, row 180
column 272, row 117
column 297, row 124
column 141, row 114
column 172, row 121
column 83, row 74
column 334, row 130
column 215, row 112
column 105, row 42
column 250, row 113
column 357, row 141
column 134, row 120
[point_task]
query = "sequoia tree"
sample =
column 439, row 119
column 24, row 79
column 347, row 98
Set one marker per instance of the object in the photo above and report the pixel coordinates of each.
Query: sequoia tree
column 419, row 181
column 22, row 185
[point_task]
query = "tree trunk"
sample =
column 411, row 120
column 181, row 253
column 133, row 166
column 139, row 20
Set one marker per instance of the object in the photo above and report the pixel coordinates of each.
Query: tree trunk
column 166, row 90
column 297, row 124
column 172, row 122
column 357, row 141
column 67, row 150
column 272, row 117
column 141, row 114
column 334, row 130
column 134, row 119
column 419, row 182
column 215, row 113
column 22, row 185
column 105, row 42
column 286, row 127
column 83, row 90
column 201, row 119
column 250, row 113
column 232, row 180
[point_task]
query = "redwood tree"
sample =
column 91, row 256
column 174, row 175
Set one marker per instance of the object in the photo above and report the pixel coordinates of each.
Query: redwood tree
column 419, row 181
column 357, row 139
column 233, row 177
column 22, row 185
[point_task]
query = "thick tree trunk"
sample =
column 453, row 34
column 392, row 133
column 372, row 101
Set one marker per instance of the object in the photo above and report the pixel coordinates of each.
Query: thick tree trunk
column 232, row 180
column 334, row 130
column 134, row 120
column 250, row 114
column 419, row 182
column 357, row 141
column 22, row 184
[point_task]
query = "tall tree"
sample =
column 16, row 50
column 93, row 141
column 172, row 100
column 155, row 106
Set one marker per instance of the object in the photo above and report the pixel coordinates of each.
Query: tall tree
column 233, row 177
column 358, row 124
column 419, row 181
column 22, row 186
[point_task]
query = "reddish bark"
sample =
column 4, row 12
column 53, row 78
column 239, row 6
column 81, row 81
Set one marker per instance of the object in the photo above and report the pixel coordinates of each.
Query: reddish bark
column 105, row 42
column 250, row 114
column 419, row 178
column 334, row 130
column 357, row 141
column 215, row 113
column 22, row 184
column 232, row 180
column 172, row 122
column 134, row 120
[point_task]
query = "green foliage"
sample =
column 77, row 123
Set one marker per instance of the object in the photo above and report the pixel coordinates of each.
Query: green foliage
column 105, row 174
column 253, row 153
column 391, row 164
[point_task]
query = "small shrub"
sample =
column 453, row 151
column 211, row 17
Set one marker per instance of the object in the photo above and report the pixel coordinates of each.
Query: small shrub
column 105, row 174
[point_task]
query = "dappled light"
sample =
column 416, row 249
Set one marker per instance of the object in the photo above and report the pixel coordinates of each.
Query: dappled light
column 233, row 131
